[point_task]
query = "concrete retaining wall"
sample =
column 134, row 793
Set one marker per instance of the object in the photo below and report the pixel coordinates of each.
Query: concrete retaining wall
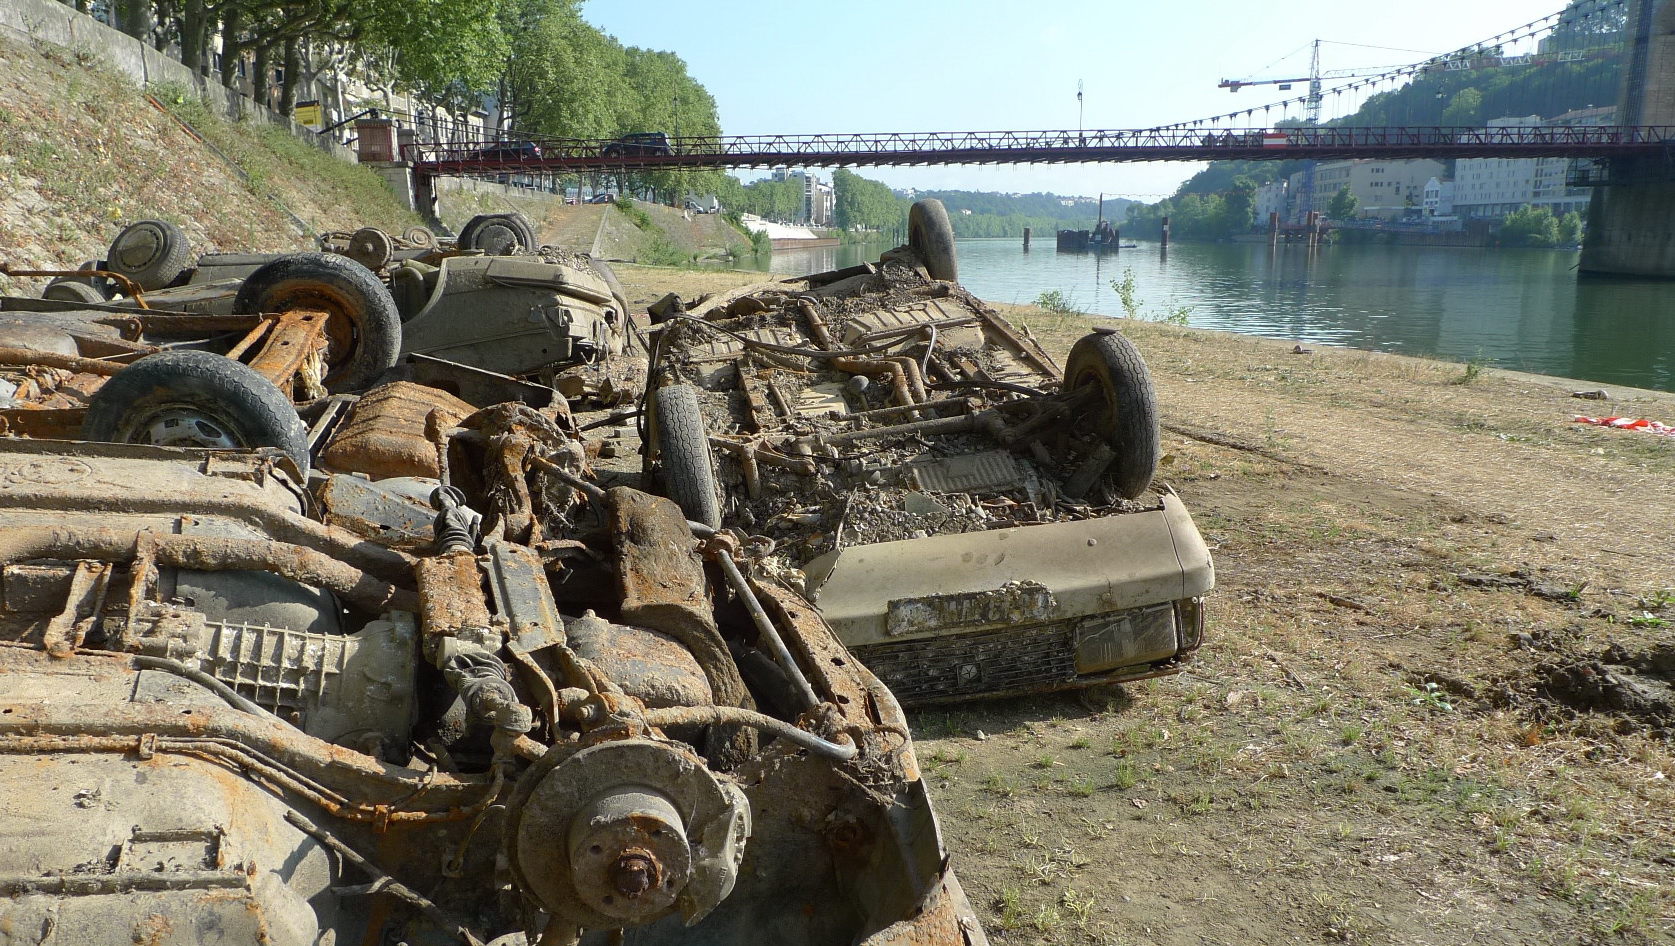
column 52, row 22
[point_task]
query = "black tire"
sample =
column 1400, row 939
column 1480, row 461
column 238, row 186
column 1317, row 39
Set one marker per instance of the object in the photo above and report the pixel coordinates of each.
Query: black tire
column 365, row 325
column 195, row 398
column 498, row 234
column 1124, row 413
column 153, row 253
column 686, row 466
column 931, row 238
column 73, row 289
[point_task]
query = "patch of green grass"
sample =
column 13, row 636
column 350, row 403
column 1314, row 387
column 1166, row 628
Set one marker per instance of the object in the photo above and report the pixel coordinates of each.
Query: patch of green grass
column 1057, row 303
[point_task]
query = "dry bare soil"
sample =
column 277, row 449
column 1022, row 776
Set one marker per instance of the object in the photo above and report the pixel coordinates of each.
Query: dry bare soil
column 1435, row 704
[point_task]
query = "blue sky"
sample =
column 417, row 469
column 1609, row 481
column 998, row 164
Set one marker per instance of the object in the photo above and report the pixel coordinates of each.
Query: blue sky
column 876, row 65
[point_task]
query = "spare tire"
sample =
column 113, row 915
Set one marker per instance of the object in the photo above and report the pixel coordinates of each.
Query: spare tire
column 364, row 330
column 1123, row 412
column 195, row 399
column 153, row 253
column 498, row 234
column 931, row 238
column 686, row 465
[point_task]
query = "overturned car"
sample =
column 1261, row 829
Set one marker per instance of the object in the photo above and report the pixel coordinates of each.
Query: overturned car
column 513, row 308
column 969, row 518
column 445, row 689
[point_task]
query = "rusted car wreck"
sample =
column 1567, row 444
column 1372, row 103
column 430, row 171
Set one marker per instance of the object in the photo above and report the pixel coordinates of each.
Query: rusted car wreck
column 443, row 690
column 969, row 518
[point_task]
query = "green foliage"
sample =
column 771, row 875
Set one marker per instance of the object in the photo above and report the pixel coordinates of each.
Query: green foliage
column 1430, row 696
column 449, row 51
column 1239, row 205
column 638, row 217
column 862, row 204
column 1057, row 303
column 1126, row 295
column 1134, row 307
column 1529, row 226
column 1570, row 229
column 1465, row 108
column 1343, row 205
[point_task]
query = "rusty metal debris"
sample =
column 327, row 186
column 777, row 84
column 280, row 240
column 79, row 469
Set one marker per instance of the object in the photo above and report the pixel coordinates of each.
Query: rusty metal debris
column 910, row 459
column 445, row 687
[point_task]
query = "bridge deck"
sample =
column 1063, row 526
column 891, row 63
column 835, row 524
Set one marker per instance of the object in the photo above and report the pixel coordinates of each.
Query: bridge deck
column 559, row 156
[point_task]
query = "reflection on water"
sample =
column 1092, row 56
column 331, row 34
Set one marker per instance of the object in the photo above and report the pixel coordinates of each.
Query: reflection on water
column 1522, row 309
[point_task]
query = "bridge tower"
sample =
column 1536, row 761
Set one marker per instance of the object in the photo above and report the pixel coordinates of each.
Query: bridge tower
column 1631, row 220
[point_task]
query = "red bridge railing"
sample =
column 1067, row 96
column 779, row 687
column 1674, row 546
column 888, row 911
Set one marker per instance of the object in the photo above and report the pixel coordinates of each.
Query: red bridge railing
column 570, row 155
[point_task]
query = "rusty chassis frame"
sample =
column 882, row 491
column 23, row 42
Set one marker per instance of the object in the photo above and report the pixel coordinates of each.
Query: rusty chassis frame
column 277, row 345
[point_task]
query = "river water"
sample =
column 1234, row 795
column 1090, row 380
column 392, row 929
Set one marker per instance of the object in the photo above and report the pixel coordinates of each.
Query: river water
column 1520, row 309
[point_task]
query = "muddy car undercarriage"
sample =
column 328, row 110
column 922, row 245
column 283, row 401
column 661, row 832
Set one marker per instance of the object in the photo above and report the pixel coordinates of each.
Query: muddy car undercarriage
column 970, row 519
column 492, row 704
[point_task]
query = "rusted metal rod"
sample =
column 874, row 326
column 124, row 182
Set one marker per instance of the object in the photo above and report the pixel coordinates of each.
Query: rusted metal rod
column 764, row 624
column 208, row 554
column 49, row 359
column 734, row 716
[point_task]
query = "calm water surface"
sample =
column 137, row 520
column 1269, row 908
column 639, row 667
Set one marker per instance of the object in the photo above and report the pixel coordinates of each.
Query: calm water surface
column 1521, row 309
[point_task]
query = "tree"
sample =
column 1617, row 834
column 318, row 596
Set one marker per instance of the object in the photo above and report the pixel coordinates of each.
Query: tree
column 1528, row 226
column 1465, row 108
column 1570, row 229
column 862, row 204
column 1240, row 205
column 1343, row 206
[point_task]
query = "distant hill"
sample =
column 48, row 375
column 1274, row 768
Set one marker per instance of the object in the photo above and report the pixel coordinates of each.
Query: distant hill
column 1579, row 66
column 985, row 214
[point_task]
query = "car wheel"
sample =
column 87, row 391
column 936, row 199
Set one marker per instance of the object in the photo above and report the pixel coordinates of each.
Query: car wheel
column 363, row 333
column 686, row 468
column 931, row 238
column 419, row 236
column 1124, row 409
column 498, row 234
column 72, row 289
column 195, row 399
column 153, row 253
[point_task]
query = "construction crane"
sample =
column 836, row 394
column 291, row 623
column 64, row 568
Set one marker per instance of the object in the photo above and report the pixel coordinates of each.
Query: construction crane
column 1313, row 101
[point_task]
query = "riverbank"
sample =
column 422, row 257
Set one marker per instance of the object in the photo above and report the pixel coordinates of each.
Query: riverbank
column 1426, row 572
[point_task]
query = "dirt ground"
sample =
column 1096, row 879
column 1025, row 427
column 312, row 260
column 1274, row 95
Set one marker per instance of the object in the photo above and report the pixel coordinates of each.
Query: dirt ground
column 1435, row 706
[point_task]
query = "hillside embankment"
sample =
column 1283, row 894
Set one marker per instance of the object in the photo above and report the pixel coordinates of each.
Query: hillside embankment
column 84, row 151
column 1435, row 706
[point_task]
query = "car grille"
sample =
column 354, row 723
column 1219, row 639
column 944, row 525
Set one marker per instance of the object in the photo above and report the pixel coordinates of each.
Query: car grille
column 1004, row 660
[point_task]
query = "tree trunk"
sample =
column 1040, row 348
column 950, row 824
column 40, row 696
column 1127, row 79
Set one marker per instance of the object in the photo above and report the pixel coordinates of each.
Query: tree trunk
column 193, row 33
column 134, row 17
column 232, row 46
column 261, row 74
column 293, row 77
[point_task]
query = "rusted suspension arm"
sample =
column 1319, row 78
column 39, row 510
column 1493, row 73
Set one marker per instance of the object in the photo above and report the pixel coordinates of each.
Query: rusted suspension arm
column 210, row 554
column 48, row 359
column 387, row 564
